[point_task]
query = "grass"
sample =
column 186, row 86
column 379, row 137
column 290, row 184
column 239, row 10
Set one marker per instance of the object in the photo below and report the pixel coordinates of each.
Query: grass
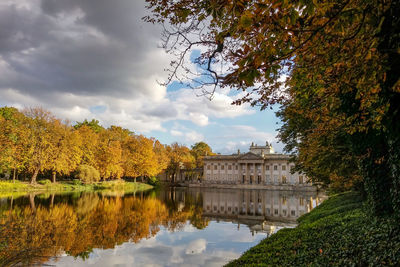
column 339, row 232
column 8, row 188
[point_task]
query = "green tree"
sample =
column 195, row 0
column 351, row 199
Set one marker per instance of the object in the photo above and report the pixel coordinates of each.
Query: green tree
column 93, row 124
column 180, row 158
column 199, row 150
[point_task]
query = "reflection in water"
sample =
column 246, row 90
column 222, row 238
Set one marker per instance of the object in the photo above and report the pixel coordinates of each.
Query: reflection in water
column 173, row 226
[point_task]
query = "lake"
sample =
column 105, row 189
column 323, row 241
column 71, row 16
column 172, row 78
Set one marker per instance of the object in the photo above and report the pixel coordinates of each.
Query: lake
column 167, row 227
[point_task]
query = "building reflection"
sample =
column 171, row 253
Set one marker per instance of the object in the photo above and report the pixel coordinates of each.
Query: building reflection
column 261, row 210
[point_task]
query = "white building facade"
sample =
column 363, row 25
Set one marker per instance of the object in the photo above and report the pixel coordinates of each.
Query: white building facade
column 260, row 167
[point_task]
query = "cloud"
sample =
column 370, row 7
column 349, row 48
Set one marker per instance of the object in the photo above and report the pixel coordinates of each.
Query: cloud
column 74, row 56
column 230, row 138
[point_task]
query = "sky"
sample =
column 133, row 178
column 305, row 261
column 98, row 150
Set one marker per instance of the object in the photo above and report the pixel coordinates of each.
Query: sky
column 97, row 59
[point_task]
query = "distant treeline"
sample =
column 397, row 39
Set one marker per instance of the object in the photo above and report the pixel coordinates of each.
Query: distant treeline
column 34, row 141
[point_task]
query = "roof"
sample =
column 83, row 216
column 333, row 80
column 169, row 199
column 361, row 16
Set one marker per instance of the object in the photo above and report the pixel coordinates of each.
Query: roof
column 248, row 155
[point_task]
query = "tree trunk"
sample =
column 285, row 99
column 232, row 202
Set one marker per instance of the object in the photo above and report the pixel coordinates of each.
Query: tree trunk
column 54, row 176
column 34, row 176
column 14, row 173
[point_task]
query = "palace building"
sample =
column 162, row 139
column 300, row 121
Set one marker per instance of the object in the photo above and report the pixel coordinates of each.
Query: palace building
column 258, row 168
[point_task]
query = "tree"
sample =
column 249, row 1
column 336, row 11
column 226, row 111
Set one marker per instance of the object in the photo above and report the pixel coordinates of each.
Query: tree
column 334, row 64
column 67, row 153
column 109, row 155
column 180, row 158
column 39, row 123
column 93, row 124
column 199, row 150
column 89, row 145
column 140, row 158
column 13, row 140
column 161, row 155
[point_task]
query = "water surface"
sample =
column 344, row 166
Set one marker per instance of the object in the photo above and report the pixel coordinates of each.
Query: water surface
column 170, row 227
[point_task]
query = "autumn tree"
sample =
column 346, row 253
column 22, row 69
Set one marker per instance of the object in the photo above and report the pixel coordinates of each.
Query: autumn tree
column 67, row 153
column 13, row 140
column 89, row 144
column 40, row 126
column 109, row 154
column 161, row 155
column 139, row 157
column 334, row 64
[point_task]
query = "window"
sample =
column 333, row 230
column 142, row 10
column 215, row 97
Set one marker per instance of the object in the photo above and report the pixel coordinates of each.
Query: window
column 222, row 167
column 259, row 179
column 243, row 178
column 284, row 212
column 301, row 200
column 215, row 167
column 284, row 200
column 293, row 213
column 283, row 167
column 259, row 167
column 291, row 168
column 236, row 167
column 275, row 167
column 208, row 167
column 229, row 167
column 267, row 167
column 283, row 179
column 276, row 211
column 300, row 179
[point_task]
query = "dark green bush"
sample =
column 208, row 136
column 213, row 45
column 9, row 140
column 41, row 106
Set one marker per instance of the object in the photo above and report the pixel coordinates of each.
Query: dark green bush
column 76, row 182
column 87, row 174
column 44, row 182
column 153, row 181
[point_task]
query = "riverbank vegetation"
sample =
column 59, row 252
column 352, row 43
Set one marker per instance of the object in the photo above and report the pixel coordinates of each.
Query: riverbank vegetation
column 35, row 144
column 75, row 185
column 339, row 232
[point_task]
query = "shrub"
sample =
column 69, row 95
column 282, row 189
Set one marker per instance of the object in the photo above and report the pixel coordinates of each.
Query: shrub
column 76, row 182
column 87, row 174
column 44, row 182
column 153, row 181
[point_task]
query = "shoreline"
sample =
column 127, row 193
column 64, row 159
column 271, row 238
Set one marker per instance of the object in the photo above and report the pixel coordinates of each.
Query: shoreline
column 20, row 188
column 288, row 187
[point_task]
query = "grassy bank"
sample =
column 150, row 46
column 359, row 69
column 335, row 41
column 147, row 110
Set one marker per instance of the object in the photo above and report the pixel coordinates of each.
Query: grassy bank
column 7, row 187
column 338, row 232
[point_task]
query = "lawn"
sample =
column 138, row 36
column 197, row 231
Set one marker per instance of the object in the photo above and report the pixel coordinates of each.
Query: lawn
column 8, row 187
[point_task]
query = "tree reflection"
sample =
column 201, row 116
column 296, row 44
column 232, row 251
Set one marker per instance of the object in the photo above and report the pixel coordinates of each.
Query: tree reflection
column 36, row 229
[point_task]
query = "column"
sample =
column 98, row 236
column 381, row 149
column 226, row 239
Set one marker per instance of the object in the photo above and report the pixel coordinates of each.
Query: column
column 263, row 176
column 246, row 180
